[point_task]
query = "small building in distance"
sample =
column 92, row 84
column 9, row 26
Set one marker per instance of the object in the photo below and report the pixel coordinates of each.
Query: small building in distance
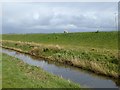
column 65, row 31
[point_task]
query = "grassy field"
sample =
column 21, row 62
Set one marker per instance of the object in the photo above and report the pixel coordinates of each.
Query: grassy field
column 107, row 40
column 17, row 74
column 97, row 52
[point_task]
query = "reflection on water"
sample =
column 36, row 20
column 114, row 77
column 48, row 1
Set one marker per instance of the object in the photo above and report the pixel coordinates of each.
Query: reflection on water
column 77, row 75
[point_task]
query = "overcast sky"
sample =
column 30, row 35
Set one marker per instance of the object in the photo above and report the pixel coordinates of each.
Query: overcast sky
column 56, row 17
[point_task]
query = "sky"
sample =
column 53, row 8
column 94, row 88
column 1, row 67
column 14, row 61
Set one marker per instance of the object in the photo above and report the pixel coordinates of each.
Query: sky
column 55, row 17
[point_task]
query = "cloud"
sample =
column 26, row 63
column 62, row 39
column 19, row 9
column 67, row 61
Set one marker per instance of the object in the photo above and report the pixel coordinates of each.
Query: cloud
column 55, row 17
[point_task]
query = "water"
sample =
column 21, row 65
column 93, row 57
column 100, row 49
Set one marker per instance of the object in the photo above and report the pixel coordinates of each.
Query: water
column 77, row 75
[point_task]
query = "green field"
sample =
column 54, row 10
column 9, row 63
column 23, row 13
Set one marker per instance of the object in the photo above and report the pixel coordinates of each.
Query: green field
column 17, row 74
column 107, row 40
column 96, row 52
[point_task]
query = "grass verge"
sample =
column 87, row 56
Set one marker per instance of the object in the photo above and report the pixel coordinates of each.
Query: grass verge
column 17, row 74
column 0, row 71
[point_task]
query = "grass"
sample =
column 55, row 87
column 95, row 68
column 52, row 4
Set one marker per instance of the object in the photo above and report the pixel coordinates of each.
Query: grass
column 92, row 51
column 107, row 40
column 17, row 74
column 0, row 71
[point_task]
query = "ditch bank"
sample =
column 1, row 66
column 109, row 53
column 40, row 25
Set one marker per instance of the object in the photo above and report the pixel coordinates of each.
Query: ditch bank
column 82, row 77
column 101, row 64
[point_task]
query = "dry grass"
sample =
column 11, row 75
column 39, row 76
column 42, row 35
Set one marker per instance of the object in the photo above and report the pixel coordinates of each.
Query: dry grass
column 66, row 56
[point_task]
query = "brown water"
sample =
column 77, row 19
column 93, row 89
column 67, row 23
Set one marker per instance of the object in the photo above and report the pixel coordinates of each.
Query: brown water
column 77, row 75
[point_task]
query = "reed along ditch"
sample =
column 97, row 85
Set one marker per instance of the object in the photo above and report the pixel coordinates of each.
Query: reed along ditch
column 84, row 78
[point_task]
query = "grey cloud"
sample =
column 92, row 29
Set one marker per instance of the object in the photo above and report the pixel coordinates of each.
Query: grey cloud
column 45, row 17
